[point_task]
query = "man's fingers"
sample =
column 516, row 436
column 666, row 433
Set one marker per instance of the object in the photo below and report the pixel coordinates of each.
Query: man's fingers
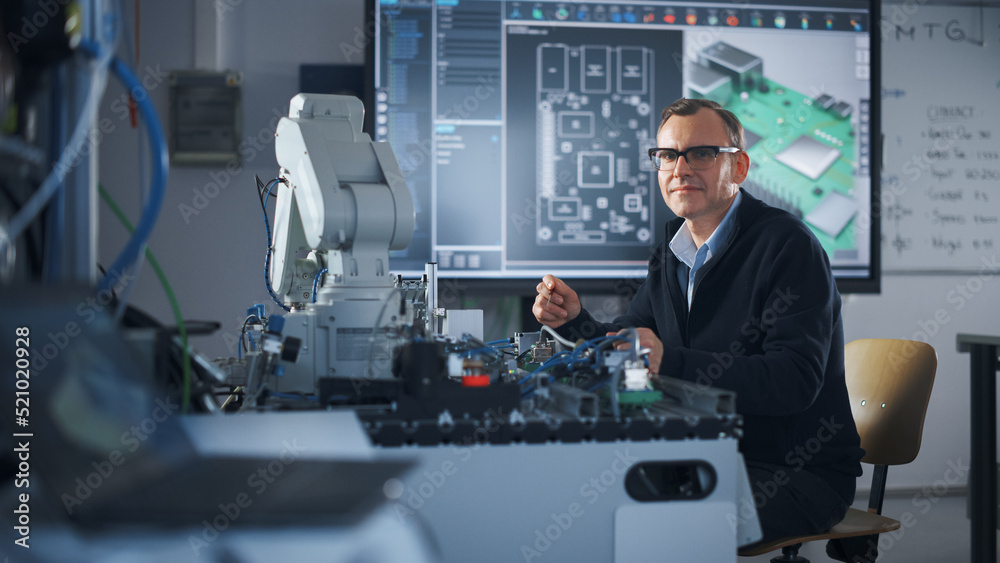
column 553, row 285
column 620, row 344
column 547, row 307
column 557, row 313
column 549, row 293
column 555, row 303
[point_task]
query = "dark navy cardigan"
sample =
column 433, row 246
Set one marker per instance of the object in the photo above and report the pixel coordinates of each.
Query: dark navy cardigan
column 765, row 322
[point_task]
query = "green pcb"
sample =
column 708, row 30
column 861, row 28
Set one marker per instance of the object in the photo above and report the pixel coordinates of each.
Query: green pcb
column 802, row 154
column 638, row 399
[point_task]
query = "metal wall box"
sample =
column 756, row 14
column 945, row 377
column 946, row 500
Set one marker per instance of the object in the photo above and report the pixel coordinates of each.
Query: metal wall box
column 206, row 117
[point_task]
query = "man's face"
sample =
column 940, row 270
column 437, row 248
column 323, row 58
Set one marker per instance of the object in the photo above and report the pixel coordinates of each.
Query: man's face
column 700, row 196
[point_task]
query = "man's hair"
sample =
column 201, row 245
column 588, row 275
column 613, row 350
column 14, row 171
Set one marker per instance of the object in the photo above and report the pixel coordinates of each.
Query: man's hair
column 687, row 106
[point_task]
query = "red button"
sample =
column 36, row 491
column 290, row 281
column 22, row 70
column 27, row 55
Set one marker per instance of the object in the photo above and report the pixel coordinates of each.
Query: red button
column 476, row 381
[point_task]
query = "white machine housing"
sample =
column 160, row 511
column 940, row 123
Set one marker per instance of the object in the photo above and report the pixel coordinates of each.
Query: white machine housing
column 343, row 201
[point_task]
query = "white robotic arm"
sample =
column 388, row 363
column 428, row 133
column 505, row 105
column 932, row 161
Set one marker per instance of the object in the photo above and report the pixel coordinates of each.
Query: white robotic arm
column 345, row 197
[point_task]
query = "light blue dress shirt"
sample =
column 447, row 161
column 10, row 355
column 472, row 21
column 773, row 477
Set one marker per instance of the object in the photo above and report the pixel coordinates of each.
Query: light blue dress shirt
column 683, row 247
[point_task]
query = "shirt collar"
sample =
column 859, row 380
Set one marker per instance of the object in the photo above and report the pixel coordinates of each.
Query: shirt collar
column 682, row 243
column 718, row 239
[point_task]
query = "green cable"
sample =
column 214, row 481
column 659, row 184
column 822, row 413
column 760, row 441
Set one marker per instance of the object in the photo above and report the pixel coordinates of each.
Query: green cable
column 181, row 328
column 501, row 320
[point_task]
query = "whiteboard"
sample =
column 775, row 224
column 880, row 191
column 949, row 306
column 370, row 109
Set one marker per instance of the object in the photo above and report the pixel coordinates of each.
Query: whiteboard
column 940, row 200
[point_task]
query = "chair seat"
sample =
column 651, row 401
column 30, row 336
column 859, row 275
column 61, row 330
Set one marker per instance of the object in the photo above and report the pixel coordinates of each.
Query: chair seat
column 855, row 523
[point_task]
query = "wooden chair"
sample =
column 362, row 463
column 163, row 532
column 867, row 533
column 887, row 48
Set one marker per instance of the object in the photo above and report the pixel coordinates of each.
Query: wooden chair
column 889, row 383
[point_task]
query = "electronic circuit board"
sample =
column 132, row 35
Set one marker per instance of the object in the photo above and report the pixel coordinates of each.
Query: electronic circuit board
column 804, row 156
column 802, row 147
column 595, row 116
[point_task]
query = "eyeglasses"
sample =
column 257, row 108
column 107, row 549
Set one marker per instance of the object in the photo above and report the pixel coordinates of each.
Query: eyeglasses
column 698, row 158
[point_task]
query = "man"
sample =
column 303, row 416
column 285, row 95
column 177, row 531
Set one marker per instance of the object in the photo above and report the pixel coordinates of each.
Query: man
column 742, row 298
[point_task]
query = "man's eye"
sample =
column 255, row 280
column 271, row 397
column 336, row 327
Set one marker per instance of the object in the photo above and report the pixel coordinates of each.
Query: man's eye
column 668, row 155
column 703, row 154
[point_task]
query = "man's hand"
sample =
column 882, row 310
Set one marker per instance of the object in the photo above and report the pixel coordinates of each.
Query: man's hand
column 556, row 304
column 647, row 340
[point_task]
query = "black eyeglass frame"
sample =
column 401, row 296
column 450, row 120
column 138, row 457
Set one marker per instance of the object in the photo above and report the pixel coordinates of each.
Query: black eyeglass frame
column 715, row 149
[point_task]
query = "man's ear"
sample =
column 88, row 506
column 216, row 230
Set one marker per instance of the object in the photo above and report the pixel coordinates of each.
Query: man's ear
column 742, row 167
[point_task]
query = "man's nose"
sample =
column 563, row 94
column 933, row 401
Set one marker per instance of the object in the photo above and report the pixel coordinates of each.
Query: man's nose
column 682, row 169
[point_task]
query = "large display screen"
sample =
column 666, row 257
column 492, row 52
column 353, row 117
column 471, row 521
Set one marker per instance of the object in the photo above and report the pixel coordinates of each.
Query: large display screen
column 523, row 127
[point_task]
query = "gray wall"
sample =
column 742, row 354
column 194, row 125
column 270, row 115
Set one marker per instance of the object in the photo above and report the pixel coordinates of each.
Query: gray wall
column 215, row 259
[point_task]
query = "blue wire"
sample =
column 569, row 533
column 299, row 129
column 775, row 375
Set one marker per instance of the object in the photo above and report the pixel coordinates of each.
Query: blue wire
column 482, row 350
column 30, row 210
column 319, row 274
column 140, row 145
column 573, row 357
column 292, row 396
column 593, row 342
column 530, row 390
column 267, row 189
column 267, row 259
column 554, row 360
column 158, row 153
column 495, row 342
column 561, row 357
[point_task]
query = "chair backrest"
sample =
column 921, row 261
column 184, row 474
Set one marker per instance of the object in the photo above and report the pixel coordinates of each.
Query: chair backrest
column 889, row 382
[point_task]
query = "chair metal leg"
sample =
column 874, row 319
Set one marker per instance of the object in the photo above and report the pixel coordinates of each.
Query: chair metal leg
column 790, row 554
column 862, row 549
